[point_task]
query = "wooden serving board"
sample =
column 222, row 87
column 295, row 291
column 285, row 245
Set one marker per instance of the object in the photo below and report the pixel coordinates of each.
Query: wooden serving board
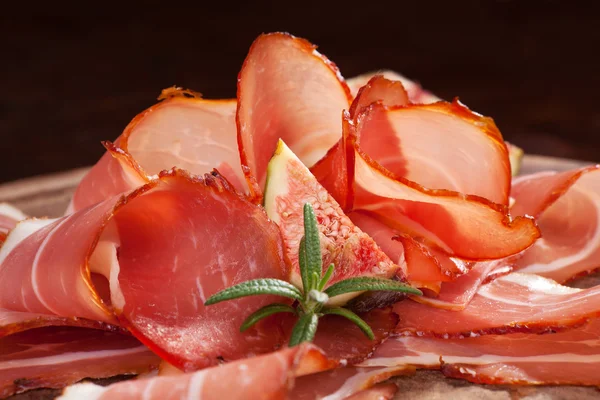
column 49, row 196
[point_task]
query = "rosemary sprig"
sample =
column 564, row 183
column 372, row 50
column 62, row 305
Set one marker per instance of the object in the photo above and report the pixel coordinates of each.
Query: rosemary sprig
column 310, row 302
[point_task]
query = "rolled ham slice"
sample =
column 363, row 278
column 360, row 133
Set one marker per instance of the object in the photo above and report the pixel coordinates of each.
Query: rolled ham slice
column 266, row 377
column 147, row 261
column 55, row 357
column 335, row 170
column 513, row 303
column 464, row 226
column 438, row 146
column 567, row 208
column 348, row 383
column 565, row 358
column 183, row 130
column 414, row 90
column 289, row 91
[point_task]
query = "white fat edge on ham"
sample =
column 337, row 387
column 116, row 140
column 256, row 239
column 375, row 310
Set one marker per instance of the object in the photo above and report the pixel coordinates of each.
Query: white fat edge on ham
column 590, row 247
column 12, row 212
column 21, row 231
column 571, row 346
column 71, row 357
column 535, row 284
column 436, row 358
column 104, row 261
column 87, row 390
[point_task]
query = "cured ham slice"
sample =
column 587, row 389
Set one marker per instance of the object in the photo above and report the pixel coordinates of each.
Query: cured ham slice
column 464, row 226
column 348, row 383
column 564, row 358
column 55, row 357
column 183, row 130
column 266, row 377
column 512, row 303
column 438, row 146
column 341, row 340
column 382, row 90
column 567, row 208
column 457, row 293
column 288, row 91
column 415, row 92
column 335, row 170
column 148, row 261
column 17, row 321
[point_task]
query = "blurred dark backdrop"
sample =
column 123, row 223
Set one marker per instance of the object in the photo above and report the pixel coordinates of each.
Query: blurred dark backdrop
column 72, row 77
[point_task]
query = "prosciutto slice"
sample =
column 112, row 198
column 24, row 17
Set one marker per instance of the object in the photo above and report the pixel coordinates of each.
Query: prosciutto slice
column 567, row 208
column 414, row 90
column 512, row 303
column 288, row 91
column 464, row 226
column 335, row 170
column 564, row 358
column 147, row 261
column 266, row 377
column 348, row 383
column 419, row 143
column 55, row 357
column 183, row 130
column 17, row 321
column 457, row 293
column 379, row 90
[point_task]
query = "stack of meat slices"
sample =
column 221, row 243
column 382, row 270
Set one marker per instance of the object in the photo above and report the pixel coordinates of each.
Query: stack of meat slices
column 175, row 212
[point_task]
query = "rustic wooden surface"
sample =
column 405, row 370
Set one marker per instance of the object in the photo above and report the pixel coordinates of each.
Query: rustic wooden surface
column 49, row 195
column 72, row 76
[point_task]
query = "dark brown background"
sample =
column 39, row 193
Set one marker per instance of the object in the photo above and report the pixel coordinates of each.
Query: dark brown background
column 74, row 76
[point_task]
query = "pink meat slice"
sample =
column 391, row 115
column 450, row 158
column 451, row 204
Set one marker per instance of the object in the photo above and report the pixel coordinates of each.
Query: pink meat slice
column 269, row 376
column 567, row 208
column 513, row 303
column 55, row 357
column 571, row 357
column 183, row 130
column 288, row 91
column 147, row 261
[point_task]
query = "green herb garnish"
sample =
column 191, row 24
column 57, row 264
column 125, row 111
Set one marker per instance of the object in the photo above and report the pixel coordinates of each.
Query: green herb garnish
column 310, row 303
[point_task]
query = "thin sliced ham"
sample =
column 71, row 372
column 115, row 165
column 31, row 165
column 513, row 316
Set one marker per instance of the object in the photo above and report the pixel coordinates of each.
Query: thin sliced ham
column 343, row 341
column 148, row 261
column 17, row 321
column 55, row 357
column 456, row 294
column 265, row 377
column 438, row 146
column 335, row 170
column 464, row 226
column 564, row 358
column 183, row 130
column 414, row 90
column 379, row 90
column 288, row 91
column 347, row 383
column 567, row 208
column 513, row 303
